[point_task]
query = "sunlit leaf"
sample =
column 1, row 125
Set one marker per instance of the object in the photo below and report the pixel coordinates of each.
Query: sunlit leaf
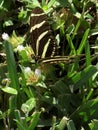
column 9, row 90
column 29, row 105
column 93, row 125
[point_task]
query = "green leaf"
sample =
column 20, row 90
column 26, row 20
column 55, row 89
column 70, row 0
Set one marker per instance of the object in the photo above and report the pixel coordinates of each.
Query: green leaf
column 11, row 65
column 16, row 40
column 62, row 124
column 12, row 107
column 86, row 111
column 64, row 3
column 73, row 51
column 51, row 2
column 70, row 125
column 9, row 90
column 70, row 29
column 4, row 114
column 32, row 3
column 29, row 105
column 76, row 28
column 7, row 23
column 87, row 52
column 79, row 50
column 19, row 122
column 34, row 120
column 88, row 59
column 83, row 42
column 94, row 32
column 82, row 77
column 93, row 125
column 24, row 56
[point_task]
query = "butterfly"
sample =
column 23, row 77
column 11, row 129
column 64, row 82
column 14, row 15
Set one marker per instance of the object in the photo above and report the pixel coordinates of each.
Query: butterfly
column 43, row 42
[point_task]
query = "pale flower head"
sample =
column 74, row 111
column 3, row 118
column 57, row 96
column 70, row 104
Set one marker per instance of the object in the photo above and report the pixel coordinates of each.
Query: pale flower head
column 5, row 36
column 38, row 72
column 20, row 48
column 28, row 70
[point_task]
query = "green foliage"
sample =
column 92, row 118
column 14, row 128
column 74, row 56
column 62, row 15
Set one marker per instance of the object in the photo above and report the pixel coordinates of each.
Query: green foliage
column 9, row 90
column 11, row 66
column 60, row 96
column 94, row 124
column 22, row 124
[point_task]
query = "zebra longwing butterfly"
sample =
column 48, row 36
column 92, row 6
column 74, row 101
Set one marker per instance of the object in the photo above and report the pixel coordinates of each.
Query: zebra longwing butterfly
column 43, row 42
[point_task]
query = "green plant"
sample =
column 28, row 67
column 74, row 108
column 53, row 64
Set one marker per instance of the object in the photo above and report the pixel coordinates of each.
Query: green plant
column 60, row 96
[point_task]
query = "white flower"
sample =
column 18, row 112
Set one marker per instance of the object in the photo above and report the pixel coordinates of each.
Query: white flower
column 38, row 72
column 20, row 48
column 28, row 70
column 5, row 36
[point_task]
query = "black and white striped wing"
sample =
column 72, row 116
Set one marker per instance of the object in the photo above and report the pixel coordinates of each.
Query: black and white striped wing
column 43, row 43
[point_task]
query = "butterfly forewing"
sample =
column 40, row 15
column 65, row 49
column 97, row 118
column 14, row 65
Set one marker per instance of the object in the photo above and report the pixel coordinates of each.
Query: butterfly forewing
column 43, row 42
